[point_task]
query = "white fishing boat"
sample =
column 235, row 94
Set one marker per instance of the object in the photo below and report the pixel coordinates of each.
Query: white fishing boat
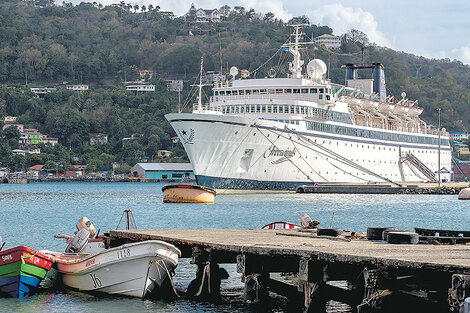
column 134, row 269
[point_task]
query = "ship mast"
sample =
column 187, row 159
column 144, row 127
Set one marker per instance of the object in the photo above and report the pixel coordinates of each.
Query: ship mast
column 199, row 98
column 294, row 48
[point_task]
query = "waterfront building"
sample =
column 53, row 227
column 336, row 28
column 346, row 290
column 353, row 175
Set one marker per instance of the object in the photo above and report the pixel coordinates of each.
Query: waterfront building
column 163, row 170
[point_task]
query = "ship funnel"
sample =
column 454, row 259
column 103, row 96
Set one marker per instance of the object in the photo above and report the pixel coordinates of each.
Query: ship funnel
column 379, row 80
column 351, row 72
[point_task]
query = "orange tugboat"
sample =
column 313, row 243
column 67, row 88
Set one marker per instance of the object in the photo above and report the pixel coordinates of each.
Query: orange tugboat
column 187, row 193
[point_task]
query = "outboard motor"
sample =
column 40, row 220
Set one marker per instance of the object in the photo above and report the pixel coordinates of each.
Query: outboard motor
column 85, row 223
column 78, row 242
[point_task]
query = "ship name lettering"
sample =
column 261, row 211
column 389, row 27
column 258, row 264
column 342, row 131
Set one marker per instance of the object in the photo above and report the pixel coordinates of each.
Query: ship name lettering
column 7, row 257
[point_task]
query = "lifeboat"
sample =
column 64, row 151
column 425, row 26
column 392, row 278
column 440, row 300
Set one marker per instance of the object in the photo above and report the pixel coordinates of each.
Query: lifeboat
column 188, row 193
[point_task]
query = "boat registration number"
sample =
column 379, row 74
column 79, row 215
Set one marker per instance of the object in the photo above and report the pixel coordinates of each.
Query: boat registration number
column 124, row 253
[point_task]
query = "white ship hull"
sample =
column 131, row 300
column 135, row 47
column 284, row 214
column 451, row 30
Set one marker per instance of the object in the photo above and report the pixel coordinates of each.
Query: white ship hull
column 131, row 270
column 243, row 152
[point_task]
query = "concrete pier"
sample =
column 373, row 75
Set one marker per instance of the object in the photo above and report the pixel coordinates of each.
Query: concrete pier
column 425, row 275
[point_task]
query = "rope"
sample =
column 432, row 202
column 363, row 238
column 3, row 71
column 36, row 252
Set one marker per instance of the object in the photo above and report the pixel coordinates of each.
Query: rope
column 169, row 277
column 30, row 257
column 280, row 49
column 306, row 175
column 324, row 157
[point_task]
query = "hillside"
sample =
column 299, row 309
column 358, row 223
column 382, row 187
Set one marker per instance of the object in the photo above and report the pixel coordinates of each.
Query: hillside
column 103, row 46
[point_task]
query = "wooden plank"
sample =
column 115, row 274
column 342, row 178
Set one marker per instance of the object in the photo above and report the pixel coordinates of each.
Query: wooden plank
column 444, row 258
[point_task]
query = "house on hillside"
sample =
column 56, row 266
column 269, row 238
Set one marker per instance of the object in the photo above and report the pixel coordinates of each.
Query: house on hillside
column 9, row 119
column 98, row 139
column 203, row 15
column 20, row 127
column 140, row 88
column 146, row 74
column 79, row 88
column 459, row 136
column 329, row 41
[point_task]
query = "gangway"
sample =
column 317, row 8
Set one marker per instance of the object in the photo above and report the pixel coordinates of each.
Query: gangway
column 413, row 161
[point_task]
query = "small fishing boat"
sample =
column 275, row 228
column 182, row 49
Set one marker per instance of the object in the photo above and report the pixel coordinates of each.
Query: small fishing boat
column 281, row 225
column 134, row 269
column 21, row 270
column 188, row 193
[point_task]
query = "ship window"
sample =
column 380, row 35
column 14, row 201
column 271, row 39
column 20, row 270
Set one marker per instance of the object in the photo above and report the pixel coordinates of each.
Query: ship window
column 228, row 92
column 256, row 91
column 270, row 91
column 275, row 109
column 327, row 97
column 248, row 92
column 262, row 91
column 222, row 92
column 270, row 108
column 320, row 97
column 216, row 93
column 313, row 90
column 287, row 90
column 291, row 109
column 242, row 109
column 258, row 108
column 278, row 90
column 263, row 109
column 304, row 90
column 235, row 92
column 241, row 92
column 296, row 90
column 320, row 90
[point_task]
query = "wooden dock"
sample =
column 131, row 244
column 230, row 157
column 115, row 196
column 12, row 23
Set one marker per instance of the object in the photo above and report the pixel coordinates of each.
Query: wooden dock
column 425, row 275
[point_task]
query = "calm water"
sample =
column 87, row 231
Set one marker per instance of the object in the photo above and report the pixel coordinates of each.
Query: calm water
column 31, row 214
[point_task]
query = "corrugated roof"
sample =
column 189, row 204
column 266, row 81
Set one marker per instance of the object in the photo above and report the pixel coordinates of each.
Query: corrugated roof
column 166, row 166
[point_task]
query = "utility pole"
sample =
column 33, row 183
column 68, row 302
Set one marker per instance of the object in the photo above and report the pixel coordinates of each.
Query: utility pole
column 439, row 149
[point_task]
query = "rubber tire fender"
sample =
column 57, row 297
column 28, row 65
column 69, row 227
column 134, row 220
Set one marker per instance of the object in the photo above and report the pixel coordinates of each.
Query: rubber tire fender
column 375, row 233
column 333, row 232
column 403, row 238
column 387, row 231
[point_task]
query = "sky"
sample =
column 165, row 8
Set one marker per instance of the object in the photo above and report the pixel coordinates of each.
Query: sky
column 433, row 29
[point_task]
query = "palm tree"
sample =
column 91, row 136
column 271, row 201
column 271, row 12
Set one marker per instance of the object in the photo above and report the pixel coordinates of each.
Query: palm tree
column 136, row 7
column 143, row 8
column 150, row 7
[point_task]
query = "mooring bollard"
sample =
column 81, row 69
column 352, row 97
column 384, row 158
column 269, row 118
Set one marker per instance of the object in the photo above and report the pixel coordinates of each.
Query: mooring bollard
column 464, row 194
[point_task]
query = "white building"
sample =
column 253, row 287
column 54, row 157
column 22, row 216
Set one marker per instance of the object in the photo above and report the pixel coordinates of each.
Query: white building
column 141, row 88
column 459, row 136
column 329, row 41
column 77, row 87
column 204, row 16
column 41, row 92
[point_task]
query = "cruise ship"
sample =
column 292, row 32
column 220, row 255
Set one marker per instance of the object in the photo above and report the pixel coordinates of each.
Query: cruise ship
column 279, row 133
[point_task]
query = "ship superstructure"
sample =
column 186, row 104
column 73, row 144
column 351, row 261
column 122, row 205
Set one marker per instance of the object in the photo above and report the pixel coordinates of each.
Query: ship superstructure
column 279, row 133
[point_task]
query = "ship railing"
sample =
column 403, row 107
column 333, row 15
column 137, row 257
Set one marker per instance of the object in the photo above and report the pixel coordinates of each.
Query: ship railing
column 311, row 97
